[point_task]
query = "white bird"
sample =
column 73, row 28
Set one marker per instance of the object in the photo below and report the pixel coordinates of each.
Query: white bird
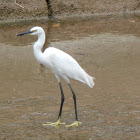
column 62, row 65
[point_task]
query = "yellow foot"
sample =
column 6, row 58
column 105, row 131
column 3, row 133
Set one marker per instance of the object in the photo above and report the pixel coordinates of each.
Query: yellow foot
column 76, row 123
column 53, row 124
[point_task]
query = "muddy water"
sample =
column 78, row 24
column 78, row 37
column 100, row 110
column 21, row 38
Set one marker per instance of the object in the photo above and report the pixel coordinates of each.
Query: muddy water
column 29, row 93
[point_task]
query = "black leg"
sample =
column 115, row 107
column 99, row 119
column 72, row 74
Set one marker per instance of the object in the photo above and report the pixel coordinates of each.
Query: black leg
column 62, row 100
column 74, row 98
column 60, row 112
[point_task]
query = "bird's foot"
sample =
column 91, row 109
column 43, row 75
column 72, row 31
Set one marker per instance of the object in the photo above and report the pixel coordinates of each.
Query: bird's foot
column 76, row 123
column 54, row 124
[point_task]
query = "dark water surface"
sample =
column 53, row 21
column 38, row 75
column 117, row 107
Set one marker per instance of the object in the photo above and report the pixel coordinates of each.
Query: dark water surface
column 107, row 49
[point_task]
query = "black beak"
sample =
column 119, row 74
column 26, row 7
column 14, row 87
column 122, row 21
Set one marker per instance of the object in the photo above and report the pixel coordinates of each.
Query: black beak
column 28, row 32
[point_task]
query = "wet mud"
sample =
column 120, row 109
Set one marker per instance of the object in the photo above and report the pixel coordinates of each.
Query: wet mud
column 107, row 49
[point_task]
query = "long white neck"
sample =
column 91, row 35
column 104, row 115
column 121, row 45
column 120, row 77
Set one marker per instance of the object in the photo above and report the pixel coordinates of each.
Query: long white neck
column 38, row 46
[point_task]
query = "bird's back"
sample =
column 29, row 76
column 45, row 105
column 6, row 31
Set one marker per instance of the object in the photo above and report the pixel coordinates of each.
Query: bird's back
column 62, row 64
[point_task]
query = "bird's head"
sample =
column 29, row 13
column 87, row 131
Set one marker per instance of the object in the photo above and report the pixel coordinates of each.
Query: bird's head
column 33, row 31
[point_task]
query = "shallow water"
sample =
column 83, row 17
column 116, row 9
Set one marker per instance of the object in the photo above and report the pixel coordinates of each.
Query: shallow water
column 107, row 49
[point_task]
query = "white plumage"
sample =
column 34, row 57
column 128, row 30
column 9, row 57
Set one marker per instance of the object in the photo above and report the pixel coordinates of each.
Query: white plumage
column 59, row 63
column 63, row 65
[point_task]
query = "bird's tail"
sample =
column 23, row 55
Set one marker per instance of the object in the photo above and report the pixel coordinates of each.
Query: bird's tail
column 90, row 81
column 83, row 77
column 87, row 79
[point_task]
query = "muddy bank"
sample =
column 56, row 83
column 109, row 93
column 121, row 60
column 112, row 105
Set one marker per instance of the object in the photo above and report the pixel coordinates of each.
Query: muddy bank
column 32, row 9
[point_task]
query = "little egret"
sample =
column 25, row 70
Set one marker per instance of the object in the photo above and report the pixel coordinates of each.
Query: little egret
column 62, row 65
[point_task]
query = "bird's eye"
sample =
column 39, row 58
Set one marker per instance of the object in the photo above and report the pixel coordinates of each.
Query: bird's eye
column 34, row 31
